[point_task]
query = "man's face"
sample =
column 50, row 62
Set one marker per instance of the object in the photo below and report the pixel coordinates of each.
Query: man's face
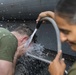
column 67, row 32
column 21, row 41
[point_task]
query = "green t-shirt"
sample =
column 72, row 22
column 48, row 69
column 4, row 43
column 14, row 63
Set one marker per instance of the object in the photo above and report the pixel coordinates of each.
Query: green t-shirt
column 72, row 70
column 8, row 45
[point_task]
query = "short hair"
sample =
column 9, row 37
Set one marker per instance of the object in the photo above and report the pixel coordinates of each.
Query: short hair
column 67, row 10
column 24, row 29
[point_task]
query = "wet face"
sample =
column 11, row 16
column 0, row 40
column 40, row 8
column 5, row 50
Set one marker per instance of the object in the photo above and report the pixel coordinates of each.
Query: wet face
column 67, row 32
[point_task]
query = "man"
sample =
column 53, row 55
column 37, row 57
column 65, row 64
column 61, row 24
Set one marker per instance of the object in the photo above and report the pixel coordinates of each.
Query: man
column 8, row 46
column 27, row 65
column 22, row 33
column 65, row 17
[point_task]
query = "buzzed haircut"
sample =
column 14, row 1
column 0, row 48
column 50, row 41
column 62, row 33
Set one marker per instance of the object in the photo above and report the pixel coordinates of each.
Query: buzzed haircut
column 24, row 29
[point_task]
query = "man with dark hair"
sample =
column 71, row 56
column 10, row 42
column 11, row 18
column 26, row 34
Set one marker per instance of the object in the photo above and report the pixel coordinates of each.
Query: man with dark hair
column 65, row 17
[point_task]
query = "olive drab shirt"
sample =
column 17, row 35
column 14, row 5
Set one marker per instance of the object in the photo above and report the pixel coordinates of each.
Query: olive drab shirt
column 72, row 70
column 8, row 45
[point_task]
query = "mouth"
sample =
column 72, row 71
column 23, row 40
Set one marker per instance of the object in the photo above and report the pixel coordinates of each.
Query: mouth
column 71, row 43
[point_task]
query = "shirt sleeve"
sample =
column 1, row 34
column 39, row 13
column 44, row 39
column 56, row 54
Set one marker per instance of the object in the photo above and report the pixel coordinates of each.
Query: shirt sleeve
column 8, row 45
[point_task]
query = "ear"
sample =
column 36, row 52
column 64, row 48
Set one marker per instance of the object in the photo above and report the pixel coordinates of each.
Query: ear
column 24, row 39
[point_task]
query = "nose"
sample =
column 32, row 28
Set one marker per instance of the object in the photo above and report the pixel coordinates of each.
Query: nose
column 63, row 37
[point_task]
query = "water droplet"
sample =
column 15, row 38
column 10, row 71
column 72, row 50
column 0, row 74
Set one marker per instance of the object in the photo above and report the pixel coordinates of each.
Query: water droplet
column 1, row 25
column 1, row 3
column 2, row 18
column 11, row 26
column 30, row 14
column 19, row 12
column 7, row 20
column 24, row 21
column 15, row 18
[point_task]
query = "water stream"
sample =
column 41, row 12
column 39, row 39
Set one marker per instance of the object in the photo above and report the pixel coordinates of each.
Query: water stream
column 30, row 39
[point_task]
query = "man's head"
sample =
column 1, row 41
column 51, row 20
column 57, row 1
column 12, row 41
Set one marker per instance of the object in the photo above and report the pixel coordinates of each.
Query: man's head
column 65, row 17
column 22, row 33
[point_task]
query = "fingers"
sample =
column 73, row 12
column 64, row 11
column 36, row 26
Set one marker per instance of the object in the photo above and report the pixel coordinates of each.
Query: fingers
column 38, row 19
column 41, row 15
column 50, row 66
column 62, row 61
column 58, row 56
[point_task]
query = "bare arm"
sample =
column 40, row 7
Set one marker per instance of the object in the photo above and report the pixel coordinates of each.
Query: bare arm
column 6, row 67
column 20, row 51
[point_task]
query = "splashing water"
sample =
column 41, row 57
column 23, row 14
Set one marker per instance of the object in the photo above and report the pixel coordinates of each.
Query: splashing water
column 31, row 66
column 36, row 48
column 36, row 51
column 30, row 39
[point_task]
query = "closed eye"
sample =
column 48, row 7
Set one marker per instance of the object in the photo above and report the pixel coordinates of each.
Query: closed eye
column 64, row 31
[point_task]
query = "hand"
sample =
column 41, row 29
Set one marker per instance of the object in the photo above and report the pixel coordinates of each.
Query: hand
column 20, row 51
column 57, row 66
column 45, row 14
